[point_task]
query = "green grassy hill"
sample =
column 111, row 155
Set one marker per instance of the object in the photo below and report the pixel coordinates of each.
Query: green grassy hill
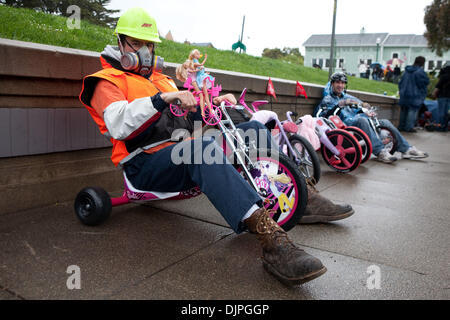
column 29, row 25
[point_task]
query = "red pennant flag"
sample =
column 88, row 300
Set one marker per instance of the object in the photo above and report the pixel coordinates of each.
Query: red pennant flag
column 299, row 90
column 270, row 89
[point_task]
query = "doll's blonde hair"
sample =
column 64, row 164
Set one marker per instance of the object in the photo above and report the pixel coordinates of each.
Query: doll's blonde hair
column 193, row 52
column 181, row 71
column 283, row 178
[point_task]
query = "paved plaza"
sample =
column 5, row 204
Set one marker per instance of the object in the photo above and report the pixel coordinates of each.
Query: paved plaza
column 185, row 250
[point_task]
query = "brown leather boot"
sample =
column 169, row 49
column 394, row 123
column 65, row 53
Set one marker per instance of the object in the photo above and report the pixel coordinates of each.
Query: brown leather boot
column 321, row 209
column 281, row 258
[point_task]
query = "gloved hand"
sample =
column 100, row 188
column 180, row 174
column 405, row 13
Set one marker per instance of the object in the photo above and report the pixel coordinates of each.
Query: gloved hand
column 347, row 102
column 185, row 99
column 227, row 97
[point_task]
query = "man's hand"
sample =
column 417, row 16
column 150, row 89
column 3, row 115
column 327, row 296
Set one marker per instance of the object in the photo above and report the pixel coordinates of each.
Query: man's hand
column 227, row 97
column 366, row 110
column 184, row 99
column 347, row 102
column 341, row 103
column 434, row 95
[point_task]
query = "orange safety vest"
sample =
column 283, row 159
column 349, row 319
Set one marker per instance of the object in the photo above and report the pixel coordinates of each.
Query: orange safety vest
column 133, row 87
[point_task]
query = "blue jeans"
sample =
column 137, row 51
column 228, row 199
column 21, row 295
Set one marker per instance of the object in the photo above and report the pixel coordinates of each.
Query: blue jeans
column 227, row 190
column 443, row 106
column 362, row 122
column 408, row 118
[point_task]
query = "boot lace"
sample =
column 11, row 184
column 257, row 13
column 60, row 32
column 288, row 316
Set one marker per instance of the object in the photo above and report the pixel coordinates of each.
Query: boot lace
column 312, row 183
column 267, row 226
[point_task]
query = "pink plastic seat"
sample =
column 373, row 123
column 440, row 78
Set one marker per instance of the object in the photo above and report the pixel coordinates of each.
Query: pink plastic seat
column 241, row 99
column 290, row 126
column 258, row 103
column 337, row 122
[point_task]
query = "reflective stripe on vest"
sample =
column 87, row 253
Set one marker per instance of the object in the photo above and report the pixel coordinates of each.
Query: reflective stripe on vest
column 133, row 87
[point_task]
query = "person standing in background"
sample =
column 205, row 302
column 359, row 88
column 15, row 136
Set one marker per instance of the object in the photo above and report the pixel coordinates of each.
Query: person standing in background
column 413, row 91
column 442, row 93
column 397, row 73
column 362, row 69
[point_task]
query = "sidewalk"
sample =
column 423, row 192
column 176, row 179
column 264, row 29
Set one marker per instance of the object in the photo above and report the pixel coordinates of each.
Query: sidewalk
column 185, row 250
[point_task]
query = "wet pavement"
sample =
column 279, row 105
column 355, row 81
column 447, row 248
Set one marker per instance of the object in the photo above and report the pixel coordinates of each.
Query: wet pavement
column 395, row 246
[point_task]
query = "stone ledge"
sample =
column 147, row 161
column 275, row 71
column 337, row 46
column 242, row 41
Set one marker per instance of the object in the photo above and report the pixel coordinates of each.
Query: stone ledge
column 41, row 180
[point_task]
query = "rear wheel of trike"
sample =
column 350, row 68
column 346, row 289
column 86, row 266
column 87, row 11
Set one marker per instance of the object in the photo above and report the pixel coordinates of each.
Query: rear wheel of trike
column 306, row 156
column 388, row 139
column 364, row 142
column 92, row 206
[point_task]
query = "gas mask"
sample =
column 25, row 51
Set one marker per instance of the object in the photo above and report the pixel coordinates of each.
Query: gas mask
column 142, row 61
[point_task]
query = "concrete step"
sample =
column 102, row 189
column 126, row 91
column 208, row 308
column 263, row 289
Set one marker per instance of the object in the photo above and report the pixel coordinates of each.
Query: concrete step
column 36, row 169
column 42, row 180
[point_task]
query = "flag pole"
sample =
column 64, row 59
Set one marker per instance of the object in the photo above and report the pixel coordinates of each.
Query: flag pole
column 296, row 99
column 332, row 45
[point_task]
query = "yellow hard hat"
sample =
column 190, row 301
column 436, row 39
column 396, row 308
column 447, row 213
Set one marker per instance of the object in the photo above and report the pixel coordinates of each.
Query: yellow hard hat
column 137, row 23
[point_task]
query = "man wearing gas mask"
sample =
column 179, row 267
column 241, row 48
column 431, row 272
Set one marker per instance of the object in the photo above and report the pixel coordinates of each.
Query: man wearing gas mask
column 129, row 100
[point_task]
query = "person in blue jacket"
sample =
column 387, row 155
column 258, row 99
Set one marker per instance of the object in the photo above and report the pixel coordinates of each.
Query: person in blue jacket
column 339, row 99
column 413, row 91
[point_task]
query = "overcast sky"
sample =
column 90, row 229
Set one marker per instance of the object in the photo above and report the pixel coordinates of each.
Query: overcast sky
column 277, row 23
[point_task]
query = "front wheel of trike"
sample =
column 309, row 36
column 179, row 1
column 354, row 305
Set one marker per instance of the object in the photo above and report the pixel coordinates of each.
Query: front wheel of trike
column 282, row 185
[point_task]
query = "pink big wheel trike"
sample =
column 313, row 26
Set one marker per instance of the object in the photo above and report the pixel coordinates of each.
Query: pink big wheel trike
column 272, row 175
column 296, row 147
column 212, row 114
column 340, row 149
column 361, row 136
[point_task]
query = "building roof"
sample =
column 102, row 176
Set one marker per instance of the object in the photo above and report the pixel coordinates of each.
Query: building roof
column 396, row 40
column 203, row 44
column 367, row 39
column 169, row 36
column 357, row 39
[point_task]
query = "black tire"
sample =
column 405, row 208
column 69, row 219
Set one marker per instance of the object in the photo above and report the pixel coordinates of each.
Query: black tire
column 385, row 134
column 296, row 204
column 364, row 142
column 309, row 165
column 92, row 206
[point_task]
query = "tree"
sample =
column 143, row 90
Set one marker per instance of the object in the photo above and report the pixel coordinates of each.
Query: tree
column 437, row 22
column 291, row 55
column 93, row 11
column 272, row 53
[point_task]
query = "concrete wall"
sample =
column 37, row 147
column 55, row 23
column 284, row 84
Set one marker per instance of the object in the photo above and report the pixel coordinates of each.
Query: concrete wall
column 50, row 148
